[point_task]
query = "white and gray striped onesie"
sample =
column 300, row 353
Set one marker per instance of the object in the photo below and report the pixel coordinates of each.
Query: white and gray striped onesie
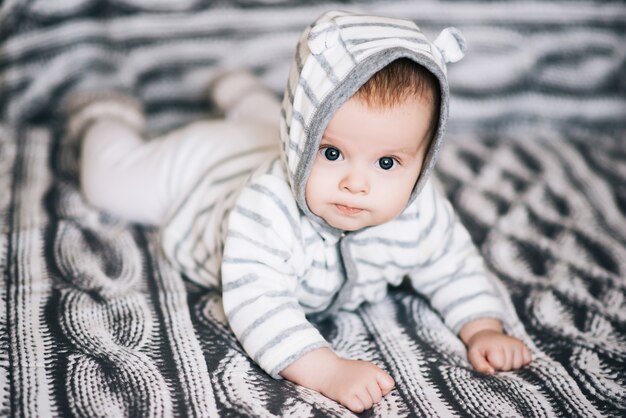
column 277, row 261
column 244, row 224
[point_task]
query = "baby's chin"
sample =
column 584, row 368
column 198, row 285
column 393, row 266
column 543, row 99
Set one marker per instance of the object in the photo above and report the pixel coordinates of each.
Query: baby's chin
column 357, row 224
column 350, row 226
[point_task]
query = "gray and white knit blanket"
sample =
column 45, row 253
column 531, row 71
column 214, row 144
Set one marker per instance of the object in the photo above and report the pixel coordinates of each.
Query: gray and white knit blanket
column 94, row 322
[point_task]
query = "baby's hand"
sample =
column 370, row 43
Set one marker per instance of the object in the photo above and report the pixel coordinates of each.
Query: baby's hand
column 355, row 384
column 489, row 349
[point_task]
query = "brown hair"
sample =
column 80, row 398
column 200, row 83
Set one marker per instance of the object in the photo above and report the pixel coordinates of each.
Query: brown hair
column 399, row 81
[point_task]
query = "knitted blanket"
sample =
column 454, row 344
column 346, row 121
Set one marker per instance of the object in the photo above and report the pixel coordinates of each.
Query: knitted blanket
column 94, row 322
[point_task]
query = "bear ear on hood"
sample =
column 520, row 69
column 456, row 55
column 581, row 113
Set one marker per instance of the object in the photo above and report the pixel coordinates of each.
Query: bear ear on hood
column 323, row 37
column 451, row 45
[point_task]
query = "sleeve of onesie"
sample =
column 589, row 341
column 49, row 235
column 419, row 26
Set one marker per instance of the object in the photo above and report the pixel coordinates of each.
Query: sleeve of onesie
column 259, row 279
column 451, row 272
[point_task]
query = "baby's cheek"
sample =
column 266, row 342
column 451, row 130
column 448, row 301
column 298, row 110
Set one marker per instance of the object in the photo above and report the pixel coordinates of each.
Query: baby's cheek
column 311, row 191
column 396, row 197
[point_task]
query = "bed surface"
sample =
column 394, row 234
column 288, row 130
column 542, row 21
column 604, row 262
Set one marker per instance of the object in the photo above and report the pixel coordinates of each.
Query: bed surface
column 94, row 322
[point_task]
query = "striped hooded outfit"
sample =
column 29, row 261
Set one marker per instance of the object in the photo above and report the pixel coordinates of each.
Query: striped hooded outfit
column 250, row 231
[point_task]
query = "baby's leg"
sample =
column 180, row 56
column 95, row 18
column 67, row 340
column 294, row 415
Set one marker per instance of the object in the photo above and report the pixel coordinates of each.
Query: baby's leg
column 142, row 181
column 244, row 98
column 119, row 171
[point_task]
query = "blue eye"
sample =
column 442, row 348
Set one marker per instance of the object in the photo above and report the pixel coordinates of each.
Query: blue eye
column 386, row 163
column 332, row 154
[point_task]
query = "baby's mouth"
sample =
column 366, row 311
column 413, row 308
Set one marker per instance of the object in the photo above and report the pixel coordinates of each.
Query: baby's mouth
column 347, row 210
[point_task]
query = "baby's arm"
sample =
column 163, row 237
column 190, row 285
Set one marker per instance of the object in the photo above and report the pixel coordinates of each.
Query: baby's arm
column 458, row 285
column 489, row 349
column 259, row 286
column 355, row 384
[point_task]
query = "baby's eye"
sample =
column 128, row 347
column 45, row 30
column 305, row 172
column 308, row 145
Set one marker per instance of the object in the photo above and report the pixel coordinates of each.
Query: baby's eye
column 386, row 163
column 331, row 154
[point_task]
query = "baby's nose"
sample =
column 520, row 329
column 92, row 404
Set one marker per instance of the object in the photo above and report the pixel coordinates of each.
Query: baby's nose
column 355, row 182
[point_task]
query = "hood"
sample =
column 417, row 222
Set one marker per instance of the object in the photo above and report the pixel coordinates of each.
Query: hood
column 334, row 57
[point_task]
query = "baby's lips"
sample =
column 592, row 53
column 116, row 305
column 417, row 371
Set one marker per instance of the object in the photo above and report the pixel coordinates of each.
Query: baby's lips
column 348, row 209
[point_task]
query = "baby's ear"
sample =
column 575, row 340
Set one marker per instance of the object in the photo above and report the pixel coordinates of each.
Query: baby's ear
column 452, row 44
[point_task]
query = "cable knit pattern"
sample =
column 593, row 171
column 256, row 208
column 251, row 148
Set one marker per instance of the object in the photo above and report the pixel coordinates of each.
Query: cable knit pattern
column 108, row 322
column 95, row 322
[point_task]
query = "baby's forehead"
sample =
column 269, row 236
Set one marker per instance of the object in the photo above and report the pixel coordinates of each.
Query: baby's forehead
column 405, row 125
column 424, row 101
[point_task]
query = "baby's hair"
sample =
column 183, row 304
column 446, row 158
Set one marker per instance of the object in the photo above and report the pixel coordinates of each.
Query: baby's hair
column 398, row 81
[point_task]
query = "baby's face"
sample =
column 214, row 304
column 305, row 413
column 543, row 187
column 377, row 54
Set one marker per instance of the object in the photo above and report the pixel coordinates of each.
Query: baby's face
column 368, row 162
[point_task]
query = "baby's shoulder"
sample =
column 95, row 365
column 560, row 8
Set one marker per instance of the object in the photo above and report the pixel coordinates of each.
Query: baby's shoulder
column 267, row 190
column 270, row 179
column 272, row 171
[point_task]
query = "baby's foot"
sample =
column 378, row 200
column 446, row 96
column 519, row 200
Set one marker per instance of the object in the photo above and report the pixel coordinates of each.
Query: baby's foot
column 83, row 108
column 228, row 88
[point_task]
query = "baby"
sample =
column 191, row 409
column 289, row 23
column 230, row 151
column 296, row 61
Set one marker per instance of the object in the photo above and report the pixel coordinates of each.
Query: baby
column 344, row 208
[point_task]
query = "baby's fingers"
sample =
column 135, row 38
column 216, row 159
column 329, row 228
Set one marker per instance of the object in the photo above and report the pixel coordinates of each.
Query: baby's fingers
column 374, row 391
column 354, row 404
column 518, row 361
column 497, row 358
column 519, row 355
column 479, row 362
column 365, row 398
column 509, row 356
column 527, row 357
column 385, row 382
